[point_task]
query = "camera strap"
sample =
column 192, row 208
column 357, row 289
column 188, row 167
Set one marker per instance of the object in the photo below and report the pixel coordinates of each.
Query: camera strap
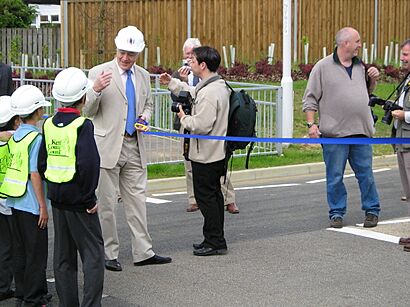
column 399, row 87
column 186, row 146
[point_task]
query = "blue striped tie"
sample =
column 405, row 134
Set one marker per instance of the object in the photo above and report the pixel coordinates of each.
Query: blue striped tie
column 130, row 93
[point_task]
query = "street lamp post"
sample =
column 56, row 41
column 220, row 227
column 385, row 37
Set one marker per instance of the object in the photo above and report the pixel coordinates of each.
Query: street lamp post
column 286, row 111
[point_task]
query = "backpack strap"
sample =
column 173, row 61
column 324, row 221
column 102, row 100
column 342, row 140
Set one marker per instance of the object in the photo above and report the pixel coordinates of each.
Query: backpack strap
column 229, row 86
column 249, row 154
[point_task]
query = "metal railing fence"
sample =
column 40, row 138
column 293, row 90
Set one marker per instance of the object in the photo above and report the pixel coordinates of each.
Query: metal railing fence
column 163, row 149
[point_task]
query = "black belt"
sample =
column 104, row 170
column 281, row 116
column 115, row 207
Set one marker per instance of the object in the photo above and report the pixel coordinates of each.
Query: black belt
column 126, row 134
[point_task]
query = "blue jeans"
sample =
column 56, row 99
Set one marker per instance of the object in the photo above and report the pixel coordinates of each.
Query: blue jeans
column 360, row 160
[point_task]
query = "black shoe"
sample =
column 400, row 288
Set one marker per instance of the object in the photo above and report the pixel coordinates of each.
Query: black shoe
column 208, row 251
column 336, row 222
column 6, row 295
column 113, row 265
column 198, row 245
column 371, row 220
column 154, row 260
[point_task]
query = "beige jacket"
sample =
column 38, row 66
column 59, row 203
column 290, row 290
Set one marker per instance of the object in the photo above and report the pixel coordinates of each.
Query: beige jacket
column 109, row 112
column 209, row 117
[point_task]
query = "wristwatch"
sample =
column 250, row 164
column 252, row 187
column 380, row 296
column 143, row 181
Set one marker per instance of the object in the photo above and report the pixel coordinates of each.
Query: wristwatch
column 310, row 124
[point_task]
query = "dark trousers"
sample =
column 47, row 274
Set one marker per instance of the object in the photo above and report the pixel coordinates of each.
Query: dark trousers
column 30, row 251
column 78, row 231
column 207, row 190
column 6, row 263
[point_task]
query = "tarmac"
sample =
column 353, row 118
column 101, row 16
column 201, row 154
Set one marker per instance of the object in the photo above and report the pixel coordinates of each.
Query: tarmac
column 176, row 184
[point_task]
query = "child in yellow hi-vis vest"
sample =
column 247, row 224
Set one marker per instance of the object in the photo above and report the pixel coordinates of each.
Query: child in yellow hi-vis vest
column 9, row 122
column 70, row 163
column 24, row 189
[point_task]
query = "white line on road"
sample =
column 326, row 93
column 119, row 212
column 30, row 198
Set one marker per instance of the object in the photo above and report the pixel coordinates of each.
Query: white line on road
column 161, row 201
column 157, row 201
column 168, row 194
column 368, row 234
column 350, row 175
column 268, row 186
column 236, row 189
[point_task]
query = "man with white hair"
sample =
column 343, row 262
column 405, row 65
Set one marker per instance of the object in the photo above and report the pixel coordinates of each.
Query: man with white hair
column 185, row 74
column 338, row 88
column 120, row 98
column 401, row 128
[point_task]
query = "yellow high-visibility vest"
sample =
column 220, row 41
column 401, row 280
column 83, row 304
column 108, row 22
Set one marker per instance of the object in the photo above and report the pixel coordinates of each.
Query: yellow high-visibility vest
column 16, row 177
column 60, row 145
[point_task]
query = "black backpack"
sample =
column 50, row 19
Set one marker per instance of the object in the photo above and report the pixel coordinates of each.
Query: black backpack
column 241, row 121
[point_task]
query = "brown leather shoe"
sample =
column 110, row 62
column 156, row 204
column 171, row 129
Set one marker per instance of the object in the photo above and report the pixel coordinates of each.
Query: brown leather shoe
column 192, row 208
column 404, row 241
column 406, row 248
column 232, row 208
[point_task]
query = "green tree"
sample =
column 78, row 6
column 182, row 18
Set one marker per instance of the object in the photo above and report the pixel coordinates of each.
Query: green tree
column 15, row 14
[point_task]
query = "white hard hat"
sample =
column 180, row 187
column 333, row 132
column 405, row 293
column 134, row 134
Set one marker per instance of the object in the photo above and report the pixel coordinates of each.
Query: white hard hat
column 26, row 99
column 5, row 110
column 70, row 85
column 130, row 39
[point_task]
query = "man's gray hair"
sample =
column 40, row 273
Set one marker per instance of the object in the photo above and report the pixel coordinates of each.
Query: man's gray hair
column 343, row 35
column 405, row 43
column 191, row 42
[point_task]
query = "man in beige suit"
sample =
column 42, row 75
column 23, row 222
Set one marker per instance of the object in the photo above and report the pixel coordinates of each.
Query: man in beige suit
column 120, row 97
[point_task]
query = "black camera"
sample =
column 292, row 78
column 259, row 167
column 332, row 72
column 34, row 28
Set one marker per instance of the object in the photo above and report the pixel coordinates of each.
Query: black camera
column 184, row 100
column 373, row 100
column 388, row 107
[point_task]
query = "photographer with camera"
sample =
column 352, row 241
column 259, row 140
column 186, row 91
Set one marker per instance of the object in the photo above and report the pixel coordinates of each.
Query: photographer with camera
column 209, row 116
column 185, row 74
column 337, row 89
column 401, row 128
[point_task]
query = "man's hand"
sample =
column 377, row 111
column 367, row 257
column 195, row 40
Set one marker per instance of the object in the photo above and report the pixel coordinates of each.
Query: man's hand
column 373, row 73
column 103, row 80
column 93, row 210
column 184, row 72
column 398, row 114
column 142, row 124
column 314, row 132
column 43, row 219
column 181, row 112
column 164, row 78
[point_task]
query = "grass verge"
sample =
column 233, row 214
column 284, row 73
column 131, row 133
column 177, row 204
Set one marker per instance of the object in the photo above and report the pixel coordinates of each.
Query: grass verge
column 295, row 153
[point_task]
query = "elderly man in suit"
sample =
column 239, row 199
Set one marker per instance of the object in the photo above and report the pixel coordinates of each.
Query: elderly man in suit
column 120, row 97
column 6, row 81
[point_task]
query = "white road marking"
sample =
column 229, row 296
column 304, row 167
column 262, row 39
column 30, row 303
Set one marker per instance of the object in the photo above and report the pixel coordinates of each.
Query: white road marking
column 350, row 175
column 169, row 193
column 368, row 234
column 157, row 201
column 267, row 186
column 162, row 201
column 316, row 181
column 381, row 170
column 236, row 189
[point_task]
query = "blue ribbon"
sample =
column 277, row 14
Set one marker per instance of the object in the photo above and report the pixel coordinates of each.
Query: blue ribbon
column 287, row 140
